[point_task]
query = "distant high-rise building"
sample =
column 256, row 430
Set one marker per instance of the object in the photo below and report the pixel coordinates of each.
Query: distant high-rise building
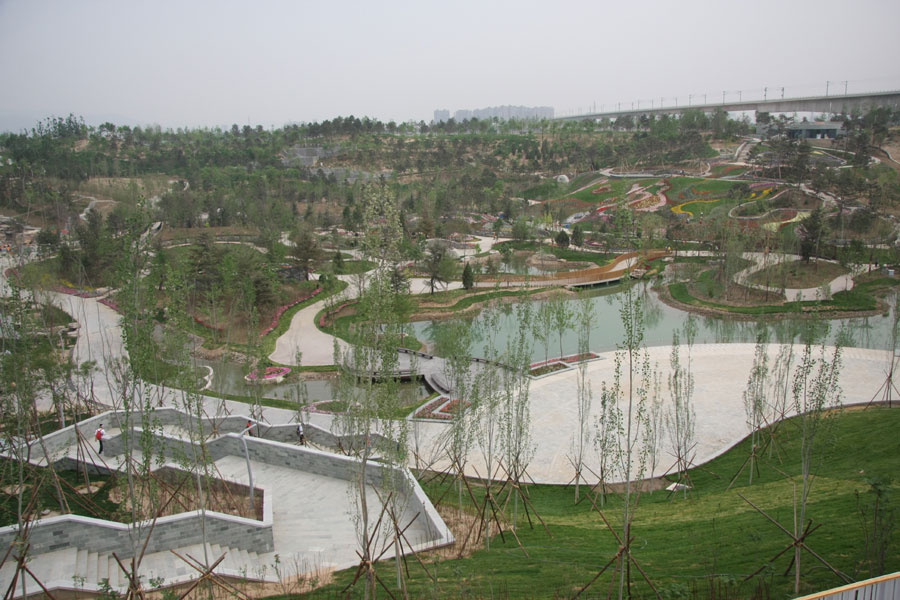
column 441, row 115
column 501, row 112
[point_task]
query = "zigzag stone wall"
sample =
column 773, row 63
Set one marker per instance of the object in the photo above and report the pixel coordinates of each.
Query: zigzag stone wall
column 185, row 529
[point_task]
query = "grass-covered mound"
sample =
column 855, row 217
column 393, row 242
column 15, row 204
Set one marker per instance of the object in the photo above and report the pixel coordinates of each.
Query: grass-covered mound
column 798, row 274
column 861, row 299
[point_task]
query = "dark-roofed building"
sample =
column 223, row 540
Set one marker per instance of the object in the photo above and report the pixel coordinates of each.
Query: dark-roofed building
column 816, row 130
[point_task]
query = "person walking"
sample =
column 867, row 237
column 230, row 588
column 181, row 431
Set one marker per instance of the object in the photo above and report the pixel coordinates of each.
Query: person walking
column 300, row 434
column 99, row 437
column 249, row 428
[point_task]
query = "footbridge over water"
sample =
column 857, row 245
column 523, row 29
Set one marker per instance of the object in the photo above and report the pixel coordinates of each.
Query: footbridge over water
column 830, row 104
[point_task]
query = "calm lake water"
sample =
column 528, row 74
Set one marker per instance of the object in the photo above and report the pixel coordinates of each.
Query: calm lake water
column 661, row 320
column 228, row 378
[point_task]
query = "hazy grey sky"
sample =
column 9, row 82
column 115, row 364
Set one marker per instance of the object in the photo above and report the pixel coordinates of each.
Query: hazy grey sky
column 217, row 62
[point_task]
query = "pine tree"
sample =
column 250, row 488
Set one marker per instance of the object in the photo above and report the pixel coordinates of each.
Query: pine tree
column 468, row 277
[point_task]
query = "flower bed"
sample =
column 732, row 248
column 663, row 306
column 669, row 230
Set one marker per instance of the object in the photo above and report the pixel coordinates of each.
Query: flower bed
column 282, row 309
column 270, row 375
column 649, row 203
column 731, row 169
column 331, row 314
column 776, row 225
column 110, row 303
column 765, row 192
column 441, row 408
column 601, row 189
column 206, row 325
column 679, row 209
column 67, row 288
column 577, row 358
column 545, row 369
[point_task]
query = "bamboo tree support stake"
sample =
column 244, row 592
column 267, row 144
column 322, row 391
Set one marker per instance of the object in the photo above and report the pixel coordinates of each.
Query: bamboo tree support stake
column 797, row 541
column 209, row 575
column 625, row 548
column 516, row 487
column 367, row 566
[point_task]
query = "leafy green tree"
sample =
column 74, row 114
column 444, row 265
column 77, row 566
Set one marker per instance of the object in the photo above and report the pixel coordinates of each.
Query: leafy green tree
column 521, row 230
column 816, row 393
column 305, row 249
column 439, row 265
column 468, row 277
column 624, row 422
column 583, row 321
column 562, row 239
column 681, row 416
column 578, row 235
column 378, row 336
column 563, row 317
column 337, row 262
column 47, row 240
column 812, row 230
column 542, row 326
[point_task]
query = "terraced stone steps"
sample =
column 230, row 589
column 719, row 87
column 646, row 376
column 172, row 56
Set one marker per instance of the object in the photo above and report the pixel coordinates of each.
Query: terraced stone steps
column 80, row 570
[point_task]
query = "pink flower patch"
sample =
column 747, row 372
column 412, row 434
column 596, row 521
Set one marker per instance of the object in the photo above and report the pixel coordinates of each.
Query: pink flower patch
column 282, row 309
column 270, row 373
column 441, row 408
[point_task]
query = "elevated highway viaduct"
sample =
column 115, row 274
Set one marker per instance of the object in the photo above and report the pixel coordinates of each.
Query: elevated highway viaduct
column 848, row 104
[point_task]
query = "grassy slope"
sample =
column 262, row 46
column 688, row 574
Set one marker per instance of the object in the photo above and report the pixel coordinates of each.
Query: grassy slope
column 679, row 541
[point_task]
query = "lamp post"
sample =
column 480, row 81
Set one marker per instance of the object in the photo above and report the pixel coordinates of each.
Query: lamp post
column 249, row 469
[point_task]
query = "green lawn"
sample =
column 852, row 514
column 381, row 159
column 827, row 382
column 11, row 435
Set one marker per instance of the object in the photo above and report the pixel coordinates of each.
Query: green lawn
column 40, row 487
column 618, row 189
column 798, row 274
column 351, row 267
column 860, row 298
column 711, row 538
column 695, row 188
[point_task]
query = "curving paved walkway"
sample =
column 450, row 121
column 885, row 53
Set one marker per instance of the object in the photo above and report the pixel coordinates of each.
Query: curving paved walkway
column 762, row 261
column 720, row 372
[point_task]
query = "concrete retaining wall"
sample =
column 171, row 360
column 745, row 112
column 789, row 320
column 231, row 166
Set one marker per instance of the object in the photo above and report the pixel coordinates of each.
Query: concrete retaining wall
column 268, row 446
column 97, row 535
column 58, row 442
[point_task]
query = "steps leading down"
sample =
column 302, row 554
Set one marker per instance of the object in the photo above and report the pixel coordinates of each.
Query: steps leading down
column 81, row 570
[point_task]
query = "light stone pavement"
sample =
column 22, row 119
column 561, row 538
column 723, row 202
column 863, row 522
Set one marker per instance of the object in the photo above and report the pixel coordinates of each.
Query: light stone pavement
column 720, row 373
column 311, row 524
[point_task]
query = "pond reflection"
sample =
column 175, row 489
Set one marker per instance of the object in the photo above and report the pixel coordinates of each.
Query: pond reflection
column 660, row 320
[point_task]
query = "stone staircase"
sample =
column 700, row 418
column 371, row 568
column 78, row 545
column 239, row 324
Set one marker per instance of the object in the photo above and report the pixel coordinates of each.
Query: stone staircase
column 80, row 570
column 303, row 528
